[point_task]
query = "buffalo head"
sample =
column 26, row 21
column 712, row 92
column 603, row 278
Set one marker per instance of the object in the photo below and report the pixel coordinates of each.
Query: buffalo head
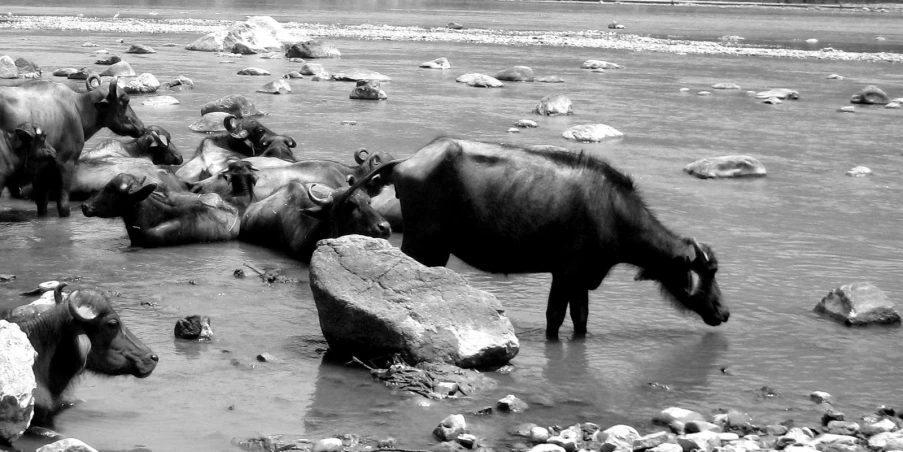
column 31, row 145
column 248, row 131
column 122, row 192
column 116, row 113
column 689, row 279
column 105, row 345
column 347, row 211
column 278, row 146
column 157, row 143
column 367, row 162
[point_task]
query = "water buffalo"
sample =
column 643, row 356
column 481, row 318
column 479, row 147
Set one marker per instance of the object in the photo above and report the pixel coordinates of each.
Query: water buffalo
column 24, row 156
column 294, row 218
column 93, row 174
column 161, row 218
column 82, row 332
column 505, row 209
column 155, row 144
column 245, row 137
column 68, row 118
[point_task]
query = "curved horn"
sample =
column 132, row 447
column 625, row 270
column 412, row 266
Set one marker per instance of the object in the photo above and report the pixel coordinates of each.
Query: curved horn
column 81, row 313
column 229, row 122
column 92, row 82
column 360, row 155
column 291, row 142
column 699, row 251
column 114, row 85
column 322, row 202
column 58, row 292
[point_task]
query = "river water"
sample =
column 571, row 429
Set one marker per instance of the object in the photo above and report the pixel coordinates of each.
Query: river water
column 783, row 241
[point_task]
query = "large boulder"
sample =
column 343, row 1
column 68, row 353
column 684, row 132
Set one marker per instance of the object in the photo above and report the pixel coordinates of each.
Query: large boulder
column 480, row 81
column 8, row 67
column 67, row 445
column 357, row 75
column 210, row 123
column 516, row 74
column 591, row 133
column 858, row 304
column 64, row 72
column 17, row 382
column 780, row 93
column 144, row 83
column 373, row 300
column 278, row 86
column 368, row 90
column 726, row 166
column 261, row 33
column 553, row 105
column 871, row 95
column 253, row 71
column 438, row 63
column 120, row 69
column 27, row 69
column 312, row 69
column 313, row 49
column 233, row 104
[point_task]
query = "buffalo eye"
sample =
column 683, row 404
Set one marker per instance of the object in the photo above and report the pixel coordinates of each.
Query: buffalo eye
column 113, row 324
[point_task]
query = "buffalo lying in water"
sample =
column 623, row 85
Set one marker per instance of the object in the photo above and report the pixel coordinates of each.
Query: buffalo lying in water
column 539, row 209
column 154, row 144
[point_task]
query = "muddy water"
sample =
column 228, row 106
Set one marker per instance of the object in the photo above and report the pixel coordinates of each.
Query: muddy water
column 783, row 241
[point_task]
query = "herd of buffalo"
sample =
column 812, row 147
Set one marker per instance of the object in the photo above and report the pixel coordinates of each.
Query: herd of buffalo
column 500, row 208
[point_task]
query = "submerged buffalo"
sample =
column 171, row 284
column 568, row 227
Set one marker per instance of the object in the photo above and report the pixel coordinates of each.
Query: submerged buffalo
column 82, row 332
column 68, row 118
column 161, row 218
column 155, row 144
column 506, row 209
column 295, row 217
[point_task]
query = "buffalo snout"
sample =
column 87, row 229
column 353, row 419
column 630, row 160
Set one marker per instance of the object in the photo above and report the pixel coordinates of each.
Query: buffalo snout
column 384, row 229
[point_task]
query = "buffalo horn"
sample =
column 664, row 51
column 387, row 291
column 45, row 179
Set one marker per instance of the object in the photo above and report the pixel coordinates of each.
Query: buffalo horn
column 317, row 200
column 92, row 82
column 291, row 142
column 114, row 85
column 699, row 250
column 82, row 313
column 163, row 140
column 58, row 293
column 360, row 155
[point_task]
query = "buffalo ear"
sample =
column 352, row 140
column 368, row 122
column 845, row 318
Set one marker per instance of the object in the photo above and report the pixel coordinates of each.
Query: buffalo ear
column 230, row 122
column 142, row 193
column 315, row 212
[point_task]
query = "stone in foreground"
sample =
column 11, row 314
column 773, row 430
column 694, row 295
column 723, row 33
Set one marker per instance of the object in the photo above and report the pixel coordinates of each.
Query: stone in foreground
column 374, row 301
column 450, row 428
column 480, row 81
column 17, row 382
column 858, row 304
column 438, row 63
column 313, row 49
column 591, row 133
column 67, row 445
column 726, row 166
column 144, row 83
column 557, row 104
column 870, row 95
column 8, row 67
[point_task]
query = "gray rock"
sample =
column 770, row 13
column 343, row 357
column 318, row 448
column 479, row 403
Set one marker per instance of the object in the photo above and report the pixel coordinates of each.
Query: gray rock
column 108, row 61
column 144, row 83
column 526, row 124
column 140, row 48
column 821, row 397
column 776, row 429
column 832, row 439
column 271, row 56
column 438, row 63
column 295, row 60
column 780, row 93
column 870, row 95
column 512, row 404
column 894, row 105
column 843, row 427
column 120, row 69
column 704, row 93
column 835, row 77
column 858, row 304
column 253, row 71
column 591, row 133
column 90, row 44
column 887, row 441
column 279, row 86
column 67, row 445
column 312, row 69
column 159, row 101
column 599, row 64
column 27, row 69
column 772, row 101
column 480, row 81
column 651, row 441
column 450, row 428
column 312, row 50
column 568, row 439
column 169, row 44
column 849, row 109
column 616, row 26
column 618, row 438
column 242, row 49
column 550, row 79
column 261, row 33
column 368, row 90
column 178, row 83
column 328, row 445
column 669, row 415
column 210, row 123
column 467, row 440
column 702, row 441
column 234, row 104
column 373, row 300
column 193, row 327
column 726, row 86
column 701, row 426
column 553, row 105
column 454, row 26
column 293, row 74
column 516, row 74
column 357, row 75
column 8, row 68
column 447, row 446
column 726, row 166
column 879, row 426
column 539, row 434
column 80, row 74
column 17, row 381
column 64, row 72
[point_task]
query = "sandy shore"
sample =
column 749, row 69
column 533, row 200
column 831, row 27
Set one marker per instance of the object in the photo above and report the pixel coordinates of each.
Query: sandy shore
column 599, row 39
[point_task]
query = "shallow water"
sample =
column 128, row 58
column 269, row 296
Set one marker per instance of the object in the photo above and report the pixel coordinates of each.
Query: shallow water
column 782, row 241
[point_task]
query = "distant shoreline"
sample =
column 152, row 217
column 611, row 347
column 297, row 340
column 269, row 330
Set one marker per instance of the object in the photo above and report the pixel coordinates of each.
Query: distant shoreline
column 599, row 39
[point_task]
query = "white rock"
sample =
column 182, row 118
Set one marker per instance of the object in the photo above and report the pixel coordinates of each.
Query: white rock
column 438, row 63
column 158, row 101
column 513, row 130
column 67, row 445
column 328, row 445
column 599, row 64
column 726, row 86
column 894, row 105
column 144, row 83
column 450, row 428
column 883, row 426
column 667, row 447
column 567, row 439
column 812, row 41
column 480, row 81
column 847, row 109
column 859, row 171
column 887, row 441
column 704, row 93
column 835, row 77
column 591, row 133
column 684, row 90
column 669, row 415
column 539, row 434
column 821, row 397
column 17, row 382
column 618, row 437
column 526, row 124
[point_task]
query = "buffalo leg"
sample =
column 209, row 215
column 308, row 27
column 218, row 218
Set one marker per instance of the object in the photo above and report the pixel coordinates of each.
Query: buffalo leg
column 557, row 307
column 39, row 193
column 67, row 173
column 579, row 302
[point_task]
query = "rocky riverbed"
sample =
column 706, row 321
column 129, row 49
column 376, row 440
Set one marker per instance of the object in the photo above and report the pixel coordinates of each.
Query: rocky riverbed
column 597, row 39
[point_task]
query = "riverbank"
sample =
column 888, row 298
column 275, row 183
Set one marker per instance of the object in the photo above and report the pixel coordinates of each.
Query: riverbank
column 597, row 39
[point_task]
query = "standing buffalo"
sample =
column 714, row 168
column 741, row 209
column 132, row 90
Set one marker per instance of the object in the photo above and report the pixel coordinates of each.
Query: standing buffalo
column 154, row 144
column 294, row 218
column 505, row 209
column 68, row 118
column 24, row 156
column 162, row 218
column 82, row 332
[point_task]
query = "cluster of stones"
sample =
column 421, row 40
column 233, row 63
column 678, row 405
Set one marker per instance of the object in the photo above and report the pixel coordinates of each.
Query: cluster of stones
column 18, row 68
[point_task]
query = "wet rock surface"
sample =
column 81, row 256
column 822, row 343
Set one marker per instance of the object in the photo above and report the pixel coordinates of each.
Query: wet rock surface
column 590, row 133
column 312, row 50
column 368, row 90
column 858, row 304
column 480, row 81
column 554, row 105
column 233, row 104
column 17, row 381
column 729, row 166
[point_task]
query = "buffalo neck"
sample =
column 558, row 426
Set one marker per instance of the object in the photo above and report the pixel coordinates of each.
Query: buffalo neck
column 52, row 335
column 644, row 241
column 89, row 114
column 131, row 147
